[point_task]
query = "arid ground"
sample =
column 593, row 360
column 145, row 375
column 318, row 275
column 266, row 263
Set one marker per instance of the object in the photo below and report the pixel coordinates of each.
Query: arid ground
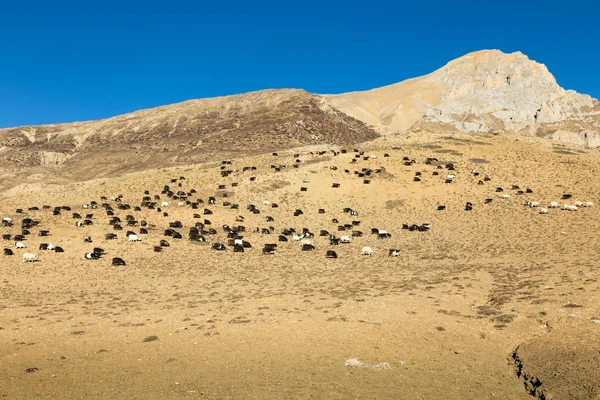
column 500, row 302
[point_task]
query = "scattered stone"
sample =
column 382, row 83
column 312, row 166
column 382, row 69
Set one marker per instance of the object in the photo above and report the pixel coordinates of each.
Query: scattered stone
column 150, row 339
column 357, row 363
column 239, row 320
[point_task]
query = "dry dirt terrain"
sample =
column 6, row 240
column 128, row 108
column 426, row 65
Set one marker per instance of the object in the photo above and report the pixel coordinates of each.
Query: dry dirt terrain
column 499, row 302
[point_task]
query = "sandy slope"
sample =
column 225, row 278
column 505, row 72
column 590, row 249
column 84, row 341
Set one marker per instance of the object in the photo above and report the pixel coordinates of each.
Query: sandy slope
column 446, row 315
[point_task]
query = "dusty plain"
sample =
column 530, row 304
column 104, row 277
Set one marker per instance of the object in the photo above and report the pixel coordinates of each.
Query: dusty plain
column 499, row 302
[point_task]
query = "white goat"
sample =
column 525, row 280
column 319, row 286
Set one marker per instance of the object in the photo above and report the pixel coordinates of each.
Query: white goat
column 367, row 251
column 345, row 239
column 29, row 257
column 133, row 238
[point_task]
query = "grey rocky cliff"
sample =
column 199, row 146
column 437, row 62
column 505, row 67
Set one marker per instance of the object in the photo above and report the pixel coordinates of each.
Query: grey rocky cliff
column 485, row 91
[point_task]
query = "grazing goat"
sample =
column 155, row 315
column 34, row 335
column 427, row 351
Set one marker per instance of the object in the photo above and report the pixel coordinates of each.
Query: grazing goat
column 118, row 261
column 133, row 238
column 269, row 249
column 381, row 234
column 218, row 246
column 91, row 256
column 29, row 257
column 367, row 251
column 307, row 247
column 346, row 239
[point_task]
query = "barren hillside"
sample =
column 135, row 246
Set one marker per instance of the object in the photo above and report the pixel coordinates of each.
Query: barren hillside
column 486, row 303
column 180, row 134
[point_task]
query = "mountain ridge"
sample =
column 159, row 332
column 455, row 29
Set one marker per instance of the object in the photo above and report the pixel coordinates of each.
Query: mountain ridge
column 518, row 94
column 485, row 92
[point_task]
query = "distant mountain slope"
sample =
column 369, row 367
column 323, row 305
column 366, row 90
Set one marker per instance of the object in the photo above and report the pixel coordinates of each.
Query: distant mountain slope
column 187, row 132
column 485, row 91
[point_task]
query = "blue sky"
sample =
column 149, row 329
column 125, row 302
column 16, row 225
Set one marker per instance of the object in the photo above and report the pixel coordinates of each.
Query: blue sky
column 63, row 61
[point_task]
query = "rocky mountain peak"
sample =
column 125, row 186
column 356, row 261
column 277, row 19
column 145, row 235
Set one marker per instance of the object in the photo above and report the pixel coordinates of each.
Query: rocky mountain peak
column 484, row 91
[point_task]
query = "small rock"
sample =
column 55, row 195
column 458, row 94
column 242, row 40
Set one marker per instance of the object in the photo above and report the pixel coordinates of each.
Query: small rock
column 150, row 339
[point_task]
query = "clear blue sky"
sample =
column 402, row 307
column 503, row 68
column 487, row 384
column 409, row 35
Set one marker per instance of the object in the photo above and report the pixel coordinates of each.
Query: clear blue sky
column 63, row 61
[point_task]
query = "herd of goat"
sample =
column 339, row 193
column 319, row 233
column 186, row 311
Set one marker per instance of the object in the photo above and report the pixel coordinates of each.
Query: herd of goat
column 202, row 231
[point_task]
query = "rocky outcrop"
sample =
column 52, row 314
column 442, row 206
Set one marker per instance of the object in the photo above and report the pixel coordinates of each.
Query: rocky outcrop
column 486, row 91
